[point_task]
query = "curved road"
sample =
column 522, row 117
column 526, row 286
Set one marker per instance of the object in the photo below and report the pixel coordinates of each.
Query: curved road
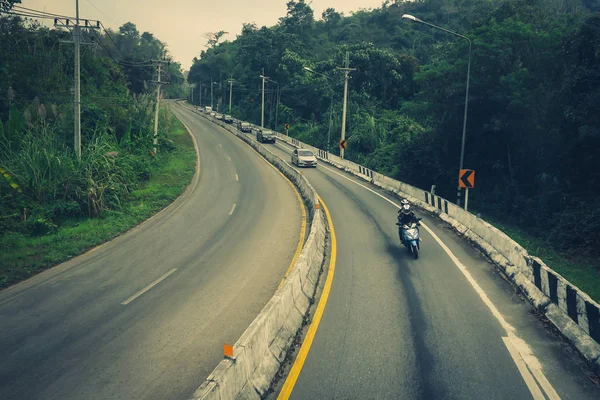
column 202, row 270
column 444, row 326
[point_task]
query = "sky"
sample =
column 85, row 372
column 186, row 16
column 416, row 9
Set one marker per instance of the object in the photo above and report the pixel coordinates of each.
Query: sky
column 182, row 23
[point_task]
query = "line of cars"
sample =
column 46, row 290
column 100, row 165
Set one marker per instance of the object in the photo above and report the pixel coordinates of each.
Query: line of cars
column 216, row 115
column 300, row 157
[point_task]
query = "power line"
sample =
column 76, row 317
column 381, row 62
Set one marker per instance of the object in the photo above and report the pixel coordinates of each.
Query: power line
column 141, row 64
column 102, row 12
column 27, row 15
column 111, row 39
column 21, row 8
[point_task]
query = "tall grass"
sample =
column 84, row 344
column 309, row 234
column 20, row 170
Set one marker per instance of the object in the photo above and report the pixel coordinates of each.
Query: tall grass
column 36, row 158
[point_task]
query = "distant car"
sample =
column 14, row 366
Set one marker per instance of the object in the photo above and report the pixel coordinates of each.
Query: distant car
column 227, row 118
column 304, row 158
column 219, row 116
column 212, row 113
column 245, row 127
column 265, row 136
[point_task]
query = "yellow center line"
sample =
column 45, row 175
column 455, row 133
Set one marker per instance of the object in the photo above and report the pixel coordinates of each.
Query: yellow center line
column 290, row 382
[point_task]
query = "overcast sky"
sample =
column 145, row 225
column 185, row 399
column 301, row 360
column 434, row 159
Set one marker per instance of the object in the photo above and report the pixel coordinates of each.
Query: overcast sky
column 182, row 23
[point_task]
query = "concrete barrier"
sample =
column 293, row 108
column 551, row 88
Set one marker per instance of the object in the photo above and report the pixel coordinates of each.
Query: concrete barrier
column 262, row 348
column 570, row 309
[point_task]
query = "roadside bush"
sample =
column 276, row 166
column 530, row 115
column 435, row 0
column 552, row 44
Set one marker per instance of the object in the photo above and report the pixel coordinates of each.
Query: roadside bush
column 63, row 209
column 40, row 226
column 99, row 180
column 578, row 228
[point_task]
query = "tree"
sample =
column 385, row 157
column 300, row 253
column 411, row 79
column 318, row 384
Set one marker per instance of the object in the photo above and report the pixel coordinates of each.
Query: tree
column 6, row 5
column 213, row 38
column 533, row 122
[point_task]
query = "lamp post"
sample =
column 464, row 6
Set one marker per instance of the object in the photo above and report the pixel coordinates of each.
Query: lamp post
column 230, row 92
column 462, row 147
column 330, row 105
column 277, row 96
column 262, row 113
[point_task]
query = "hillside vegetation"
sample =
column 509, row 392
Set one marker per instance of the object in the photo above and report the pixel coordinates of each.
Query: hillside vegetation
column 533, row 131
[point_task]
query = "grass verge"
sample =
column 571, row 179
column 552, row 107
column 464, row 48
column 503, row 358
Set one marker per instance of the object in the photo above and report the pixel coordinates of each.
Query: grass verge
column 23, row 256
column 579, row 270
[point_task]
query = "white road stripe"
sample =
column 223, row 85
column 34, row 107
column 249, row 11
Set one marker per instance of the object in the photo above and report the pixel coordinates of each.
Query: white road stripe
column 150, row 286
column 522, row 367
column 232, row 209
column 220, row 145
column 519, row 344
column 237, row 179
column 229, row 158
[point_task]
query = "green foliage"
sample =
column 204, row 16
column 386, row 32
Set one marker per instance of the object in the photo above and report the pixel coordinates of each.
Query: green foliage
column 43, row 183
column 533, row 130
column 42, row 241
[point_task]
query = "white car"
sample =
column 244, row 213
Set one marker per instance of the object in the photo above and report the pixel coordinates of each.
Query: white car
column 219, row 116
column 304, row 158
column 212, row 113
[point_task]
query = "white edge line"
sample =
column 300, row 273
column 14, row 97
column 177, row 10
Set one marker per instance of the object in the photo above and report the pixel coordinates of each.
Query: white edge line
column 150, row 286
column 524, row 349
column 232, row 209
column 522, row 367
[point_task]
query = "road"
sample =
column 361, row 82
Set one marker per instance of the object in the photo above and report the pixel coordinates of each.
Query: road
column 444, row 326
column 202, row 270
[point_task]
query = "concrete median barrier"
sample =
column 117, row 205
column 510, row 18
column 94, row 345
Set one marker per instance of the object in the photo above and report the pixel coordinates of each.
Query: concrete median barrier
column 262, row 348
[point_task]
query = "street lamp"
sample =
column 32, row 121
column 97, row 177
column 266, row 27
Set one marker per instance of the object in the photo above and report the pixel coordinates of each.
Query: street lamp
column 462, row 148
column 211, row 91
column 330, row 105
column 277, row 106
column 262, row 115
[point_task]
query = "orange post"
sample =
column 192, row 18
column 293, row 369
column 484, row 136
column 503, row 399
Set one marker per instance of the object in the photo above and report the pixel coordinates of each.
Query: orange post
column 228, row 350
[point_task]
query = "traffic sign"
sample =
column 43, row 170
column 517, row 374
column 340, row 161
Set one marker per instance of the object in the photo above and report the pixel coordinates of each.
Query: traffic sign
column 286, row 126
column 342, row 144
column 466, row 178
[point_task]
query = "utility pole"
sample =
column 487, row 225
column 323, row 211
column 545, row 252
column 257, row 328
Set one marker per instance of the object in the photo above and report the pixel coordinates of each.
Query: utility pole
column 230, row 92
column 211, row 93
column 158, row 107
column 347, row 71
column 200, row 90
column 191, row 91
column 158, row 85
column 77, row 111
column 277, row 109
column 68, row 23
column 262, row 115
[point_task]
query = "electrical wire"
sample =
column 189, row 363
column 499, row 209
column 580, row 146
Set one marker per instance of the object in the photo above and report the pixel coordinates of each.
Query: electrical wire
column 111, row 39
column 143, row 64
column 25, row 9
column 93, row 5
column 26, row 15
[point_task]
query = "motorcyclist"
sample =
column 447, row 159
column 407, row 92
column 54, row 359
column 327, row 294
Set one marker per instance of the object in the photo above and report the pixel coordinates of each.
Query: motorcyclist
column 406, row 216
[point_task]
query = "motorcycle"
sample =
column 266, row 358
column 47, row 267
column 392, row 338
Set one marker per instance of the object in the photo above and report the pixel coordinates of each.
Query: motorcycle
column 411, row 237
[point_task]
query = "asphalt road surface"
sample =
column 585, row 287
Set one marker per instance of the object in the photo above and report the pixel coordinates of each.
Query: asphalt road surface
column 146, row 316
column 445, row 326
